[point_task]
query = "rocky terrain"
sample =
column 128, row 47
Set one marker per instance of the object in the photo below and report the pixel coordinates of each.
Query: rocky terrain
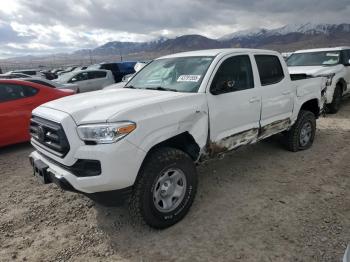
column 260, row 203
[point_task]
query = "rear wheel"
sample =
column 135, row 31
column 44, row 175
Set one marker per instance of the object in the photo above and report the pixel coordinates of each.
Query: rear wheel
column 165, row 188
column 337, row 97
column 301, row 135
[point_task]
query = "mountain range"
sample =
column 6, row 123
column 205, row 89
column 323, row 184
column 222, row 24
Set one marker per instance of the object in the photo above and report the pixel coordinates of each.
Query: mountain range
column 284, row 39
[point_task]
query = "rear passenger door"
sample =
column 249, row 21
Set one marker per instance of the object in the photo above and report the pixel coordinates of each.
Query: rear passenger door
column 98, row 79
column 234, row 104
column 276, row 93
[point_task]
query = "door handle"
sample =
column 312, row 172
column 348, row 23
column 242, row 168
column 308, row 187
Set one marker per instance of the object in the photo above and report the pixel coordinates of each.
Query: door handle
column 286, row 93
column 254, row 100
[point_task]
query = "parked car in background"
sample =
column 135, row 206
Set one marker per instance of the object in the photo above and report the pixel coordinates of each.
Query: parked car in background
column 67, row 70
column 13, row 75
column 80, row 68
column 119, row 69
column 142, row 142
column 333, row 63
column 52, row 84
column 49, row 75
column 139, row 65
column 30, row 72
column 126, row 78
column 56, row 70
column 87, row 80
column 17, row 100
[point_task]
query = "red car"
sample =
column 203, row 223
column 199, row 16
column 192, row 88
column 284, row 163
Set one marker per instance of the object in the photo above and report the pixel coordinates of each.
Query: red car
column 17, row 100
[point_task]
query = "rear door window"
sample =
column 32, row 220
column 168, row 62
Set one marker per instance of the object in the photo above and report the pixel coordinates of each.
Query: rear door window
column 270, row 69
column 10, row 92
column 97, row 74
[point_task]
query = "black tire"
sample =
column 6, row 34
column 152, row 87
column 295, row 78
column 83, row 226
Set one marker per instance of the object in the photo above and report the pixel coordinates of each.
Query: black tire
column 295, row 141
column 334, row 107
column 142, row 203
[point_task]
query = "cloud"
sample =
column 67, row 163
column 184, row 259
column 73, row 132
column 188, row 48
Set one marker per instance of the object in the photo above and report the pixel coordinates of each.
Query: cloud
column 66, row 25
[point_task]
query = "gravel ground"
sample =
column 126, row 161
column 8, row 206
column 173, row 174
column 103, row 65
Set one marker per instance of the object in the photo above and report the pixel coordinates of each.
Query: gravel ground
column 260, row 203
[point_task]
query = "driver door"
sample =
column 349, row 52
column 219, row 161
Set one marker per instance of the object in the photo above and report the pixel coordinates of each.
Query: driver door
column 234, row 104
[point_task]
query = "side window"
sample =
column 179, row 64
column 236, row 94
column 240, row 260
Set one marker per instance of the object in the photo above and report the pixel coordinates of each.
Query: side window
column 234, row 74
column 79, row 77
column 97, row 74
column 347, row 57
column 10, row 92
column 270, row 69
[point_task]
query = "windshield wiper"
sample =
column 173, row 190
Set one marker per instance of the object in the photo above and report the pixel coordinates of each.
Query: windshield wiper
column 132, row 87
column 162, row 89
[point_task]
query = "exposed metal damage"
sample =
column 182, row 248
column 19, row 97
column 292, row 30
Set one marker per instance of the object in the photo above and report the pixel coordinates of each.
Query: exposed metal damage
column 217, row 149
column 274, row 128
column 232, row 142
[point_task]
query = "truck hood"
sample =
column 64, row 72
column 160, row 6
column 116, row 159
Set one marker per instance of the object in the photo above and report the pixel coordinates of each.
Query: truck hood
column 107, row 105
column 315, row 70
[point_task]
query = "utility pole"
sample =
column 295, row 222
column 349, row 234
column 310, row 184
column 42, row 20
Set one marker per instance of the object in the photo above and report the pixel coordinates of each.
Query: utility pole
column 90, row 56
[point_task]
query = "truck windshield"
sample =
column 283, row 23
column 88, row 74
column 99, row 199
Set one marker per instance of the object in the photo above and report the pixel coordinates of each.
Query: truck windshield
column 182, row 74
column 314, row 59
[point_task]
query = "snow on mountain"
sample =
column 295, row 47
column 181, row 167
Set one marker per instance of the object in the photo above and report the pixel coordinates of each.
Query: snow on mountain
column 243, row 33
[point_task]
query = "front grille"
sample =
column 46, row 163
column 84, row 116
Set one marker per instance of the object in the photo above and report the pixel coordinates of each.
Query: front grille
column 49, row 135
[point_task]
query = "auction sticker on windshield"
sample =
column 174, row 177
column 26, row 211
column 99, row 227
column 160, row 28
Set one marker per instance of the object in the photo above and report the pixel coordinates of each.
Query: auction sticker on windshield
column 189, row 78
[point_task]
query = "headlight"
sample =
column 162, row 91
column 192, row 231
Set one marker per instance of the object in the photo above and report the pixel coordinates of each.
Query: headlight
column 329, row 79
column 105, row 133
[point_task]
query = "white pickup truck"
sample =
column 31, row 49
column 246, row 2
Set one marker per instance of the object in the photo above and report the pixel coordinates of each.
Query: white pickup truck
column 143, row 141
column 332, row 63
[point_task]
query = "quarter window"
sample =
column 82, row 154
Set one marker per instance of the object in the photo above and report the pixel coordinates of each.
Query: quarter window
column 270, row 69
column 234, row 74
column 10, row 92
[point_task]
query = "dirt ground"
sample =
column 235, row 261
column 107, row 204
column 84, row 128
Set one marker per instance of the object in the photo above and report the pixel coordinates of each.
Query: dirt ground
column 260, row 203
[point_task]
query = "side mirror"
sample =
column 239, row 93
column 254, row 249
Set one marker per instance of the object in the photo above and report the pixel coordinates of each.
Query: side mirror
column 73, row 80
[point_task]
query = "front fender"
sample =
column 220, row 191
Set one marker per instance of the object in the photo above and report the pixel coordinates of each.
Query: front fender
column 189, row 114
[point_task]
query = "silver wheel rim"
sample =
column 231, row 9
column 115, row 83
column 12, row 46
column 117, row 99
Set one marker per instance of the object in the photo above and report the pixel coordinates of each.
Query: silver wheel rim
column 169, row 190
column 305, row 134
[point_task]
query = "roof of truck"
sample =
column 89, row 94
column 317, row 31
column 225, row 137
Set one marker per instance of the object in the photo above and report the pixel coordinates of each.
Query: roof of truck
column 339, row 48
column 215, row 52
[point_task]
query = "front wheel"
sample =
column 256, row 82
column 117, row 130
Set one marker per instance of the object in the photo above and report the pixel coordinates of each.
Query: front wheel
column 165, row 188
column 301, row 135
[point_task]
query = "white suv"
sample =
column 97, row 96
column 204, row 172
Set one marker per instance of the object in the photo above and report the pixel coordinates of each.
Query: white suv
column 333, row 63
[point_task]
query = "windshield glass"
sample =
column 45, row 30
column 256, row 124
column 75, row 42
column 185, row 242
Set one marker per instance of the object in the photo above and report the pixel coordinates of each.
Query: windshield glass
column 182, row 74
column 314, row 59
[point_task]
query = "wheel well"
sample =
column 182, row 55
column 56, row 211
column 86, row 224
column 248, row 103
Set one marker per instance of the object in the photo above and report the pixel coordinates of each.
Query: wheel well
column 312, row 106
column 184, row 142
column 343, row 84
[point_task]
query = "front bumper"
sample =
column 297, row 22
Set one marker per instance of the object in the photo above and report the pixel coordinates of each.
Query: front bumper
column 107, row 198
column 120, row 163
